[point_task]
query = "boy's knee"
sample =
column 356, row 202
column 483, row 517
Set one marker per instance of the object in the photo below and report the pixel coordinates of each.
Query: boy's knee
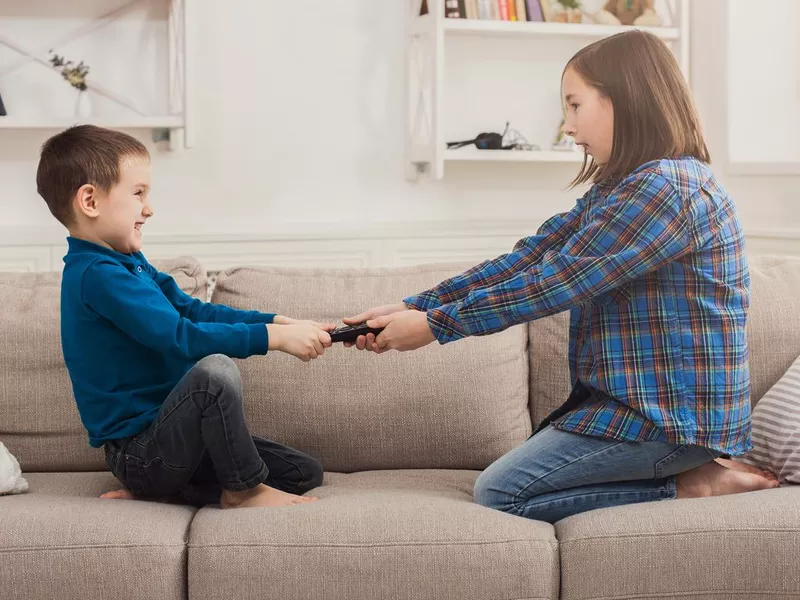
column 219, row 371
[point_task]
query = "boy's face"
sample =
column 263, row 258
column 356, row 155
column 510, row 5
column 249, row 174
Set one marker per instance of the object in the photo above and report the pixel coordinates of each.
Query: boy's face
column 589, row 116
column 124, row 209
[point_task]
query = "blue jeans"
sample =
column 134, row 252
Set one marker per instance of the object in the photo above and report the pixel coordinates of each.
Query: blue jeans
column 557, row 473
column 199, row 445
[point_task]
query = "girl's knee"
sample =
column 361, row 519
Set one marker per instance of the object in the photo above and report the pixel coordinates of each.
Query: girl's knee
column 491, row 490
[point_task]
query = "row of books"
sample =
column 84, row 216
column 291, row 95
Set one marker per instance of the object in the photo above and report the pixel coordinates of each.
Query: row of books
column 499, row 10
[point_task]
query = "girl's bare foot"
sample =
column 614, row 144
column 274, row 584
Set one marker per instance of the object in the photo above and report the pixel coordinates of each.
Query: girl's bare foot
column 740, row 466
column 712, row 479
column 261, row 495
column 121, row 494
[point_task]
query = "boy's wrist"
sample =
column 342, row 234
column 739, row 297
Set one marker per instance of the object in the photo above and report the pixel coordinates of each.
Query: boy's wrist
column 275, row 340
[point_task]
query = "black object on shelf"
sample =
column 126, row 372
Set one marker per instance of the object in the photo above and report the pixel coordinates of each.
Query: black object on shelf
column 2, row 108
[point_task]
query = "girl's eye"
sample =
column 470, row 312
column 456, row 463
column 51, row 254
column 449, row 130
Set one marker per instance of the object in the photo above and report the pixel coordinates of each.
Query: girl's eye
column 573, row 106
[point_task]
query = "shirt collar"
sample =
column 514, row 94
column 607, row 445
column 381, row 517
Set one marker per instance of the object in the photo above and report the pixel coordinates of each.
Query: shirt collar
column 79, row 246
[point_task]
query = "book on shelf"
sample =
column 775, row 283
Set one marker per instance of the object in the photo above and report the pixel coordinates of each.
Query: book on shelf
column 497, row 10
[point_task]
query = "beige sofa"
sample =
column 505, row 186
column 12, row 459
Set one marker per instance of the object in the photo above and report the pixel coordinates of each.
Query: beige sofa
column 402, row 438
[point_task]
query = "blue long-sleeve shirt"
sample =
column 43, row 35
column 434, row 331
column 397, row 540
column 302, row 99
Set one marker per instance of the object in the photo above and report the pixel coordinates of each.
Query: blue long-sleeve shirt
column 129, row 334
column 654, row 272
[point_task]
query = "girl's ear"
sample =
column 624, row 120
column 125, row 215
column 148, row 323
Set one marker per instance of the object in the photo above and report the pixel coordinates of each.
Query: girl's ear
column 86, row 199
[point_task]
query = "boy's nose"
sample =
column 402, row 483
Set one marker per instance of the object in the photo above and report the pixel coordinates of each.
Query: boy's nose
column 147, row 211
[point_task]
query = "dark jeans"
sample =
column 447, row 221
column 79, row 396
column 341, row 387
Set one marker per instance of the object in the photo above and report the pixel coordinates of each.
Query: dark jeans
column 199, row 445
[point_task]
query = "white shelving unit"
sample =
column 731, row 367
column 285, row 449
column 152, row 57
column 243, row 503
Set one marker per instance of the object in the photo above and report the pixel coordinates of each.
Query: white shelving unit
column 176, row 126
column 427, row 38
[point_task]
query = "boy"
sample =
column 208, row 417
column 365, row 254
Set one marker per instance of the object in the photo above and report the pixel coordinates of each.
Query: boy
column 149, row 365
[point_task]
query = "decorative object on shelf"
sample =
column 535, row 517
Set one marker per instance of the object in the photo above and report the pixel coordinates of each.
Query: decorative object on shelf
column 571, row 11
column 2, row 108
column 510, row 139
column 628, row 12
column 76, row 76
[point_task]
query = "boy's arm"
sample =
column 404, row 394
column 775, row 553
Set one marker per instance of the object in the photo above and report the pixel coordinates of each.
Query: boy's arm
column 147, row 316
column 643, row 228
column 198, row 311
column 528, row 251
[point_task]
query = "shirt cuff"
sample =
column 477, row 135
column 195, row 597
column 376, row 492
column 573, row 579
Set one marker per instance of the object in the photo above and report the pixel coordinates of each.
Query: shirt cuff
column 445, row 324
column 259, row 338
column 266, row 317
column 424, row 301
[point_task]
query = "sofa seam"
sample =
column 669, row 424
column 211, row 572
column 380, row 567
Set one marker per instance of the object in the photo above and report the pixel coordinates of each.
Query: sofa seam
column 87, row 546
column 550, row 543
column 691, row 593
column 675, row 533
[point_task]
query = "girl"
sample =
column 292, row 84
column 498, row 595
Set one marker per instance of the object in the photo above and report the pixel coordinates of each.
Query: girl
column 651, row 263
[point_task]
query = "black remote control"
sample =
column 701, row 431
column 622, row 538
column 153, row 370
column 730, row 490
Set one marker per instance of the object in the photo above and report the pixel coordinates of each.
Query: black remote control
column 349, row 333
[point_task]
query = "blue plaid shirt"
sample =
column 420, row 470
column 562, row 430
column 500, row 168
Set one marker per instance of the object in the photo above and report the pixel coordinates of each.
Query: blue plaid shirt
column 654, row 272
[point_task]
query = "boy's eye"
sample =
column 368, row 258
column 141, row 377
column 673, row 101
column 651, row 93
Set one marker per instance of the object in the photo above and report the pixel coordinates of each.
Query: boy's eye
column 140, row 192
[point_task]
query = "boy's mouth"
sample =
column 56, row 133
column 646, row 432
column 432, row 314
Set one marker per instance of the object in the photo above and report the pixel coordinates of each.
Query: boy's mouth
column 138, row 226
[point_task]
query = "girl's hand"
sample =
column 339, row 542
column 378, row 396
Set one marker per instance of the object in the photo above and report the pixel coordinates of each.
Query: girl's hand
column 403, row 331
column 303, row 339
column 363, row 342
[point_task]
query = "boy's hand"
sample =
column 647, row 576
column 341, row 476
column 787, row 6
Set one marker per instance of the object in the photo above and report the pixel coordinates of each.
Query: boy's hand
column 367, row 341
column 302, row 339
column 402, row 331
column 281, row 320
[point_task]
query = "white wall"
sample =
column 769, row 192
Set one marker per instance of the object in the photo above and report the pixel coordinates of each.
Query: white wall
column 300, row 112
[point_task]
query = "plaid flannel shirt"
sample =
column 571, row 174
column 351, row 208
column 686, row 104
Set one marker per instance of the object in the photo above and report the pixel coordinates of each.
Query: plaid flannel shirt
column 654, row 271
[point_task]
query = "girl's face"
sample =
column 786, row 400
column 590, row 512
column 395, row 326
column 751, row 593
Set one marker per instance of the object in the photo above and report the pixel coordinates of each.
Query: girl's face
column 589, row 116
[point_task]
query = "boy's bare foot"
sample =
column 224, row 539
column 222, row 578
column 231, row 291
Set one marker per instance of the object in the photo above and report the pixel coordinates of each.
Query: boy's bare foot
column 261, row 495
column 121, row 494
column 712, row 479
column 740, row 466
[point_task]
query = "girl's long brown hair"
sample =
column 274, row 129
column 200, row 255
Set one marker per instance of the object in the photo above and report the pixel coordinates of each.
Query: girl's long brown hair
column 654, row 114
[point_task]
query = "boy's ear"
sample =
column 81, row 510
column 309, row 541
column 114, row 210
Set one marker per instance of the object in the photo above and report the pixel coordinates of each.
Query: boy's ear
column 86, row 201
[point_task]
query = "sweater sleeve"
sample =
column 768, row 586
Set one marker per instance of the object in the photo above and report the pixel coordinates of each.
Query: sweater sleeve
column 143, row 312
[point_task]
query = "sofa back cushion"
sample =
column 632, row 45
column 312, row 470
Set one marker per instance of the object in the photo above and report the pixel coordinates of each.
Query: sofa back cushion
column 773, row 336
column 458, row 406
column 39, row 421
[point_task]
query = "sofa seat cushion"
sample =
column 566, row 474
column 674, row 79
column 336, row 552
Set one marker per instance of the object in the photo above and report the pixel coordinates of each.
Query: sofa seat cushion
column 457, row 406
column 39, row 421
column 379, row 534
column 738, row 546
column 60, row 540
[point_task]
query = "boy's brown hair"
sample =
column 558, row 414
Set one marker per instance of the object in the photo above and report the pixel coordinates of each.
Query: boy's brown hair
column 654, row 114
column 84, row 154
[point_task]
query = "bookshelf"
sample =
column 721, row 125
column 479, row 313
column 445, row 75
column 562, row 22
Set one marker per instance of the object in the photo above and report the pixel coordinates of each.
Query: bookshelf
column 430, row 40
column 173, row 123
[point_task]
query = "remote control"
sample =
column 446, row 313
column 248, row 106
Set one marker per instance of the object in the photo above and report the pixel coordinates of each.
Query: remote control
column 351, row 332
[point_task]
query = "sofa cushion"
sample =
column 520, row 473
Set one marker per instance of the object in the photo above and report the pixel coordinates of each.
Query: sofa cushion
column 39, row 421
column 773, row 336
column 458, row 406
column 60, row 541
column 737, row 546
column 384, row 535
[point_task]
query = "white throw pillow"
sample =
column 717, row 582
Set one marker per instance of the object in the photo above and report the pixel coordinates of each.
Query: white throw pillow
column 776, row 429
column 11, row 479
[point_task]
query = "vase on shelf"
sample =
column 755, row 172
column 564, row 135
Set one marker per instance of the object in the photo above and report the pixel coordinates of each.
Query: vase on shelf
column 83, row 107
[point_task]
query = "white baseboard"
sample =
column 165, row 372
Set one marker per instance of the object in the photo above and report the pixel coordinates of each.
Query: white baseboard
column 373, row 245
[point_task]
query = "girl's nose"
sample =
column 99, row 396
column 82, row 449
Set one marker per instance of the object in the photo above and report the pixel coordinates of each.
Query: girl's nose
column 568, row 129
